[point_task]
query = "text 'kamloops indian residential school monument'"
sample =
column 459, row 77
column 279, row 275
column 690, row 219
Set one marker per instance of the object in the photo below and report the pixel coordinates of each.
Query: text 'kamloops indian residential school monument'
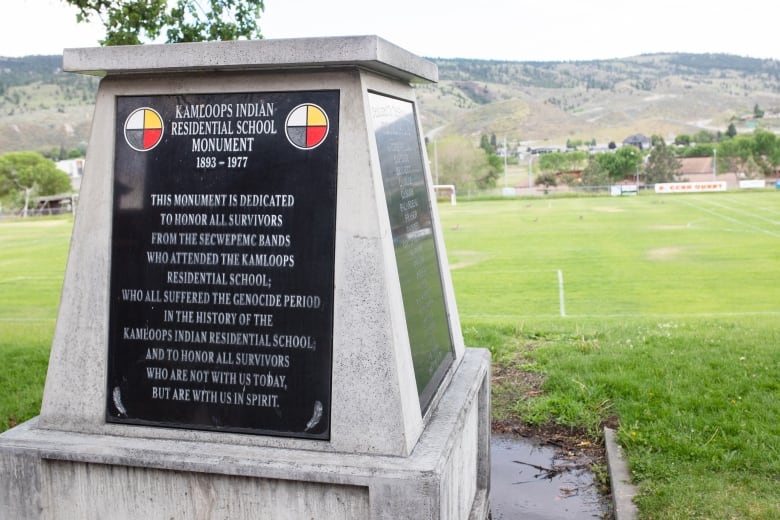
column 257, row 319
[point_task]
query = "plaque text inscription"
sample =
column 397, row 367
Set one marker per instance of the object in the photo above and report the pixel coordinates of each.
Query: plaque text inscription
column 221, row 311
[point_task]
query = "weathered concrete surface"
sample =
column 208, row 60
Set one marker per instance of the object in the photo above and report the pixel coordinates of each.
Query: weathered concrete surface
column 369, row 52
column 54, row 474
column 375, row 402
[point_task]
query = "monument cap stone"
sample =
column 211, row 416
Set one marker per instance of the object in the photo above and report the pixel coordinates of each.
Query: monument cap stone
column 368, row 52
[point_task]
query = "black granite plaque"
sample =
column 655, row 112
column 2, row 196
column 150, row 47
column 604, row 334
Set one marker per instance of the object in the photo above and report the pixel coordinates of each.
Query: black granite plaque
column 408, row 204
column 222, row 261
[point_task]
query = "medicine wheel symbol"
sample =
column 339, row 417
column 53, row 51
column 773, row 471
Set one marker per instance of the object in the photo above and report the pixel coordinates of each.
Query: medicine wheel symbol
column 306, row 126
column 143, row 129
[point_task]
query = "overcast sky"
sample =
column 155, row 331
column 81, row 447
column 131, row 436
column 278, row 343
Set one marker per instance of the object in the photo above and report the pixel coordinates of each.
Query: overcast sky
column 519, row 30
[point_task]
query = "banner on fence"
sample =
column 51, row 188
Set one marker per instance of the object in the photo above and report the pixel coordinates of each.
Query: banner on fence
column 690, row 187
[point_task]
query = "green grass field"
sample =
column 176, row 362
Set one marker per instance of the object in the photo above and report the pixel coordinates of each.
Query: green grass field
column 661, row 311
column 629, row 257
column 33, row 255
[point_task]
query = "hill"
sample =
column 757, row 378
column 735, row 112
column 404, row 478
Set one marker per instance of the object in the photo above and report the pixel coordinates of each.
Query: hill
column 42, row 108
column 662, row 94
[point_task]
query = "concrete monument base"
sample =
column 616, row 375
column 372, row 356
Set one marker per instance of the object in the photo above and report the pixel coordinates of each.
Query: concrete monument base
column 49, row 474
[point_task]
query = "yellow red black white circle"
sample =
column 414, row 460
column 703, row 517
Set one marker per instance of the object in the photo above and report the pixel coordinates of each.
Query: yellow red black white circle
column 306, row 126
column 143, row 129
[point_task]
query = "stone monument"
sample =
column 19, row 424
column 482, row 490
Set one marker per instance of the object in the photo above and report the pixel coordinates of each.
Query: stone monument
column 257, row 319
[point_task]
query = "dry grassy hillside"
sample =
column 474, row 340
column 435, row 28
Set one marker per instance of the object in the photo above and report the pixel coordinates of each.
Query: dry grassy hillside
column 607, row 100
column 42, row 108
column 544, row 103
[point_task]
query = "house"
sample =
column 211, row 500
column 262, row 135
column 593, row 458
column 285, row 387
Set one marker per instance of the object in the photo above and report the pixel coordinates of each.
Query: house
column 74, row 168
column 696, row 166
column 638, row 140
column 699, row 169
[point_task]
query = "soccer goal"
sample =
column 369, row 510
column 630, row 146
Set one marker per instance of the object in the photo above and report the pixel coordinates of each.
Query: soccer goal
column 442, row 190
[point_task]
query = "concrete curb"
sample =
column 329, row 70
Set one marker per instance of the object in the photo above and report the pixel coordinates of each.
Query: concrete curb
column 623, row 491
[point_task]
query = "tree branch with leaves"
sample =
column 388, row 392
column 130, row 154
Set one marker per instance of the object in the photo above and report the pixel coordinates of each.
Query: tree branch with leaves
column 132, row 22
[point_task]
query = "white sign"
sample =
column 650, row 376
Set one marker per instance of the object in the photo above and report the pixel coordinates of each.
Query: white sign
column 616, row 190
column 755, row 184
column 690, row 187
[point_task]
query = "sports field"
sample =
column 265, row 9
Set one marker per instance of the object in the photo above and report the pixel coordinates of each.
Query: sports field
column 714, row 255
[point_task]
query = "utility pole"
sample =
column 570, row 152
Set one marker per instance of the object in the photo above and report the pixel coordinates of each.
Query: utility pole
column 714, row 164
column 435, row 163
column 505, row 154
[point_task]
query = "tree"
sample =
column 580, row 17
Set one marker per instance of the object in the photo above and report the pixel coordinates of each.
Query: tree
column 546, row 179
column 131, row 22
column 751, row 169
column 766, row 151
column 764, row 143
column 460, row 162
column 737, row 149
column 682, row 140
column 595, row 174
column 757, row 112
column 662, row 165
column 484, row 143
column 489, row 173
column 619, row 165
column 731, row 131
column 27, row 174
column 624, row 162
column 703, row 136
column 746, row 152
column 557, row 162
column 698, row 150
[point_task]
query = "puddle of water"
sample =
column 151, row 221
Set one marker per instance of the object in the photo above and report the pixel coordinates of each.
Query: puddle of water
column 534, row 482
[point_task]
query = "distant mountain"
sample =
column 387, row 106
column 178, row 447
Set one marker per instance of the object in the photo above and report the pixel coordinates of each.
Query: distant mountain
column 606, row 100
column 43, row 108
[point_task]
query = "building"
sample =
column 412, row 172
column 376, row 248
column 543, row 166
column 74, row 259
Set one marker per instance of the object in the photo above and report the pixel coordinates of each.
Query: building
column 75, row 169
column 638, row 140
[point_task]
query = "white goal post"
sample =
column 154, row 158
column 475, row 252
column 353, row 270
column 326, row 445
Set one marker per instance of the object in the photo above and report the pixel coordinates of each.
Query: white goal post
column 445, row 188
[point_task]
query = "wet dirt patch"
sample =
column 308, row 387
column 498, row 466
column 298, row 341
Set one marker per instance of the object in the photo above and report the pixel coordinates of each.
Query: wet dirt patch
column 535, row 481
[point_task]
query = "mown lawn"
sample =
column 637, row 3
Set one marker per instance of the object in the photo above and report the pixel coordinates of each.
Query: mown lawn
column 33, row 255
column 659, row 311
